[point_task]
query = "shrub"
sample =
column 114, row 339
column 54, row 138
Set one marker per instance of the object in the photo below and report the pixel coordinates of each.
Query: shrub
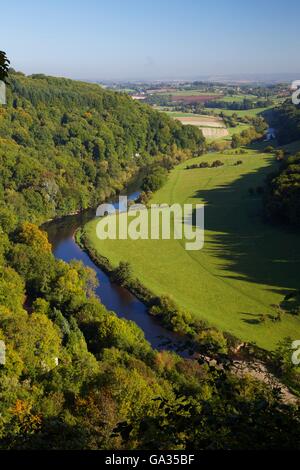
column 166, row 309
column 155, row 179
column 211, row 341
column 216, row 163
column 122, row 274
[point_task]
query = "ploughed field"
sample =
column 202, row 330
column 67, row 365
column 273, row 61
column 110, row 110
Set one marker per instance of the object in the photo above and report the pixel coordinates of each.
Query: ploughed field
column 211, row 126
column 246, row 266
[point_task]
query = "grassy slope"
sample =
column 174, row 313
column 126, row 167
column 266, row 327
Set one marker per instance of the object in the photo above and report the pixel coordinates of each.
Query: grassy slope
column 238, row 98
column 240, row 113
column 178, row 114
column 245, row 266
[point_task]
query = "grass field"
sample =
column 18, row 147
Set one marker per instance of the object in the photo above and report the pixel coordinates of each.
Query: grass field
column 237, row 98
column 249, row 112
column 218, row 111
column 246, row 265
column 205, row 122
column 202, row 118
column 238, row 129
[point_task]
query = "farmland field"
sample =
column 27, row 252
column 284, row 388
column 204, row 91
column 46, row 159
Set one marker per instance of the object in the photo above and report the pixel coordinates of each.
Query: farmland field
column 240, row 113
column 248, row 112
column 246, row 265
column 175, row 92
column 237, row 98
column 201, row 98
column 212, row 127
column 198, row 120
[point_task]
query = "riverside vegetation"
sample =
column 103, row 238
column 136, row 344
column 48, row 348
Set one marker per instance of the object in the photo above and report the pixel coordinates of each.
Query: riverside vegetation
column 250, row 270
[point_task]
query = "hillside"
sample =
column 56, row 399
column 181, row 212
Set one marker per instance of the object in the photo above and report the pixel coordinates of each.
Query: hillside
column 66, row 145
column 287, row 122
column 74, row 375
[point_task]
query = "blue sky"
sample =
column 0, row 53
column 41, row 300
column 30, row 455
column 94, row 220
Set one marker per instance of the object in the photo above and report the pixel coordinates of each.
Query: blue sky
column 154, row 39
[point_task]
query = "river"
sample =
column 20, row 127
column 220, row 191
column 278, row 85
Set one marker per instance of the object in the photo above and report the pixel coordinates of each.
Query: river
column 114, row 297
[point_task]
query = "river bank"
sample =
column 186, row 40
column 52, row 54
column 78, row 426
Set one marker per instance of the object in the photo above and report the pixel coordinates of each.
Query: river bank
column 61, row 235
column 242, row 360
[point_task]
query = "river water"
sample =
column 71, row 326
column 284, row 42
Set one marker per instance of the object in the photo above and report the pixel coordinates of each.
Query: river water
column 114, row 297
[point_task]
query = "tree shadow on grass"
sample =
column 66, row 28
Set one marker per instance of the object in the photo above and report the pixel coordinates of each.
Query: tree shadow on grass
column 255, row 320
column 251, row 249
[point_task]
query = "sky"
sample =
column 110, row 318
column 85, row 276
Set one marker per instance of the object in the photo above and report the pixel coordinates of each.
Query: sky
column 157, row 39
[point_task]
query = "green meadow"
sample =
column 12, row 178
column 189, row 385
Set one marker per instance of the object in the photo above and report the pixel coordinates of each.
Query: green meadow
column 246, row 267
column 240, row 113
column 217, row 111
column 238, row 98
column 179, row 114
column 187, row 92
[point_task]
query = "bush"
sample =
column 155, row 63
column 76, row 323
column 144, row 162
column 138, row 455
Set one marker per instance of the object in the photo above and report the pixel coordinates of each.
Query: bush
column 279, row 154
column 203, row 165
column 211, row 341
column 269, row 149
column 155, row 179
column 216, row 163
column 144, row 197
column 166, row 309
column 122, row 274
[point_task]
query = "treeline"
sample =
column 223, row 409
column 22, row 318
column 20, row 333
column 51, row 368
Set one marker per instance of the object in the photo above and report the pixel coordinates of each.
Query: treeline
column 156, row 173
column 283, row 196
column 282, row 201
column 66, row 145
column 287, row 122
column 253, row 133
column 214, row 164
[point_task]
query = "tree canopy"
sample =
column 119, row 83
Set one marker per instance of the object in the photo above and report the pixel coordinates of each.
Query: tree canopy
column 76, row 376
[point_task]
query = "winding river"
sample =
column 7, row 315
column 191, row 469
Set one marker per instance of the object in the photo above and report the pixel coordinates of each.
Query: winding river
column 114, row 297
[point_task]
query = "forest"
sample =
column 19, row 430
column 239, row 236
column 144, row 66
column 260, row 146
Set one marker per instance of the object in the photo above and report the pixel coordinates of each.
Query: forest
column 78, row 377
column 67, row 145
column 244, row 104
column 287, row 122
column 283, row 195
